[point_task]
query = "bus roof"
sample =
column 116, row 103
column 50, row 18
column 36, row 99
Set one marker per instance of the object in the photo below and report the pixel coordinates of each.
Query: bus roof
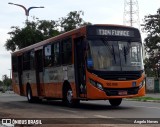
column 78, row 31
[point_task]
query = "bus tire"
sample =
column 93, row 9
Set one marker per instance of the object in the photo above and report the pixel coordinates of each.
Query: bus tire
column 115, row 102
column 29, row 95
column 68, row 97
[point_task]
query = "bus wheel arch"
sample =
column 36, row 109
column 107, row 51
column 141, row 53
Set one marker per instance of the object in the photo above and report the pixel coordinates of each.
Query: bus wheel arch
column 68, row 95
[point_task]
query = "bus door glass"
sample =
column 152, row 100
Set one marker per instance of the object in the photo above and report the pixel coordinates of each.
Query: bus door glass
column 80, row 67
column 39, row 72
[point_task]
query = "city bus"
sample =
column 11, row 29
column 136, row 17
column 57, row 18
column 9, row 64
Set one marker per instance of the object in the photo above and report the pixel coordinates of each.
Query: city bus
column 93, row 62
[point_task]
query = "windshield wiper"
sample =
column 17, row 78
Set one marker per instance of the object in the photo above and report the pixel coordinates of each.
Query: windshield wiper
column 126, row 51
column 105, row 42
column 125, row 54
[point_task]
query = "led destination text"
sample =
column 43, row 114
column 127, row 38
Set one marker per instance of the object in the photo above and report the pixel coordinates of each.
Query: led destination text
column 125, row 33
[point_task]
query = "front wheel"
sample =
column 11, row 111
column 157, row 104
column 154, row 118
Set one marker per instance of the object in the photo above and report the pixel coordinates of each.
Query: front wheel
column 68, row 98
column 115, row 102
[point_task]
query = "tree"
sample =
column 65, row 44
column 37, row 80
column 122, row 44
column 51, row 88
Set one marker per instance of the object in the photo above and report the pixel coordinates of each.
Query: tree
column 39, row 30
column 72, row 21
column 152, row 42
column 6, row 82
column 33, row 32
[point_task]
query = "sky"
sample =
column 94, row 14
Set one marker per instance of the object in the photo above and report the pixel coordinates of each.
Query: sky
column 95, row 11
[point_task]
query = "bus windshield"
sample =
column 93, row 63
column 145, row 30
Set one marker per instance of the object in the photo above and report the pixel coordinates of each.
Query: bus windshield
column 103, row 55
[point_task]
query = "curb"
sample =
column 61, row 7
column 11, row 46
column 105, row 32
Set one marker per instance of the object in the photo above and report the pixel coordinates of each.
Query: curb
column 156, row 101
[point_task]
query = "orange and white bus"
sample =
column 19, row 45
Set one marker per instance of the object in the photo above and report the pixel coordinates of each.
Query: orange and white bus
column 94, row 62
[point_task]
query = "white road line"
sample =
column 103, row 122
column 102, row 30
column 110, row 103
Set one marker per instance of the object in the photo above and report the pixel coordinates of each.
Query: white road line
column 66, row 110
column 101, row 116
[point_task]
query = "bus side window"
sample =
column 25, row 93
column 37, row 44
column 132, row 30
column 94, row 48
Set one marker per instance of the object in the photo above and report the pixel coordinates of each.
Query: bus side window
column 32, row 60
column 67, row 51
column 14, row 63
column 47, row 53
column 26, row 61
column 56, row 53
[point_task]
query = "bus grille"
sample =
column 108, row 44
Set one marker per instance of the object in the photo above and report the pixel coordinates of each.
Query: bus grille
column 120, row 76
column 115, row 91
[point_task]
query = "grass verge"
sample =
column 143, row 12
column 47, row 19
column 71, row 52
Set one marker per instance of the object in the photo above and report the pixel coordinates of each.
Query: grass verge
column 145, row 99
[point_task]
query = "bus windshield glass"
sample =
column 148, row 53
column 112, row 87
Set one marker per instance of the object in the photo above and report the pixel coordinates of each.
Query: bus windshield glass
column 103, row 55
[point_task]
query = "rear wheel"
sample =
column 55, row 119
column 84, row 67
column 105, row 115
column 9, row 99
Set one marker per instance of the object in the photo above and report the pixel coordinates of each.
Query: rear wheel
column 115, row 102
column 29, row 95
column 68, row 98
column 30, row 98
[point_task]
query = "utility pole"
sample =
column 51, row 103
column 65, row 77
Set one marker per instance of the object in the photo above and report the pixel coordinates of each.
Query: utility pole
column 131, row 13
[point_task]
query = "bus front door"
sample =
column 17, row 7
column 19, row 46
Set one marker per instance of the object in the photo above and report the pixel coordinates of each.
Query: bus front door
column 39, row 72
column 20, row 75
column 79, row 61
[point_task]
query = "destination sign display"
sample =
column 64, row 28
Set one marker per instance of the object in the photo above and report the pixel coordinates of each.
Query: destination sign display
column 114, row 32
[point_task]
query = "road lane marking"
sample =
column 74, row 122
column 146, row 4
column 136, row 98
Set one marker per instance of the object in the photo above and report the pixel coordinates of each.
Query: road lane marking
column 66, row 110
column 101, row 116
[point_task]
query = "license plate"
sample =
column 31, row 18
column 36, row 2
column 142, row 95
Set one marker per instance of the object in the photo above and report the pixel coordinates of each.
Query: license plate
column 122, row 93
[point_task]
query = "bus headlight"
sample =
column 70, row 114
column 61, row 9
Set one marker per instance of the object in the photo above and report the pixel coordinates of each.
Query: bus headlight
column 96, row 84
column 99, row 86
column 141, row 84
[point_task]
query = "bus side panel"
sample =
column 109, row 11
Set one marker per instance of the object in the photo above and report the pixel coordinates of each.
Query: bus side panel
column 66, row 73
column 29, row 77
column 50, row 81
column 15, row 83
column 16, row 88
column 34, row 89
column 50, row 89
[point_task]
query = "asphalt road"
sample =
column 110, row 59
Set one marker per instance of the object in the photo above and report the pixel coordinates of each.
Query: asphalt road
column 15, row 106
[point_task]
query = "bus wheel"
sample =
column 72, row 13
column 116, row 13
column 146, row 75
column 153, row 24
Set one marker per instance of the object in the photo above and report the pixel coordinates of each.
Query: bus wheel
column 68, row 98
column 115, row 102
column 29, row 95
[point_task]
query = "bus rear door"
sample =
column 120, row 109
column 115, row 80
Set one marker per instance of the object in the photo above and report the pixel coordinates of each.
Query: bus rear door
column 39, row 72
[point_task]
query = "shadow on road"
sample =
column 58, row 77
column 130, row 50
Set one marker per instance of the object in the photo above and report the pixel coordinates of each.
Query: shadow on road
column 21, row 102
column 84, row 105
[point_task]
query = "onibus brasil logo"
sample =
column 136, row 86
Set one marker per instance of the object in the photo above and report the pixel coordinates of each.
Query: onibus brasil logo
column 12, row 122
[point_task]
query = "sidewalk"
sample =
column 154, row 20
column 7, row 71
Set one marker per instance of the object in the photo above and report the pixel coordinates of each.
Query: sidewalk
column 153, row 95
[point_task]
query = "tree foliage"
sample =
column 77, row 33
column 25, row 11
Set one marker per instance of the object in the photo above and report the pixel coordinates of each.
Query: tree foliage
column 72, row 21
column 5, row 84
column 39, row 30
column 32, row 33
column 152, row 42
column 152, row 27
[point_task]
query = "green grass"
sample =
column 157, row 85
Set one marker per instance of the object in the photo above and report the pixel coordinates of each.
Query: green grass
column 145, row 98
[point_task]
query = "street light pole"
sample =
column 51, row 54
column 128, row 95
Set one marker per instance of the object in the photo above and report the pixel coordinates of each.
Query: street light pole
column 25, row 9
column 10, row 73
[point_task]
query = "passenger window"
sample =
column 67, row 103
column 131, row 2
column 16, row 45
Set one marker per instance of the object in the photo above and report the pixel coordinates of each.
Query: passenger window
column 56, row 53
column 67, row 51
column 15, row 63
column 32, row 60
column 26, row 61
column 48, row 58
